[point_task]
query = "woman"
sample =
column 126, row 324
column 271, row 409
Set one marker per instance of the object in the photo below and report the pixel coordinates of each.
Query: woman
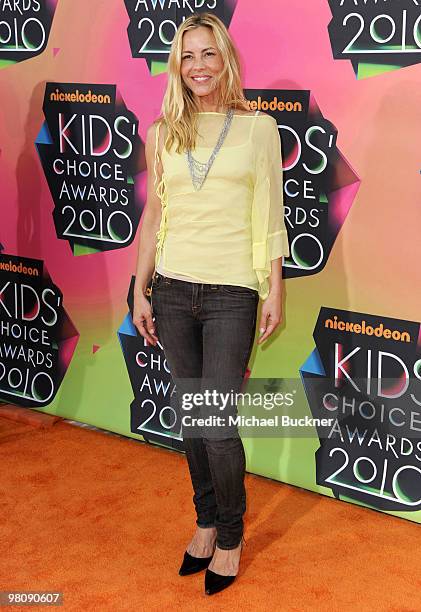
column 218, row 219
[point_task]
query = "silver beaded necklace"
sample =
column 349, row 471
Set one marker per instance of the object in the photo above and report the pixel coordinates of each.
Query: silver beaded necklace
column 199, row 170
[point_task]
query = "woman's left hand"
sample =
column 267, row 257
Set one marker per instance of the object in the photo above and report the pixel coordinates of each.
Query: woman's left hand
column 271, row 316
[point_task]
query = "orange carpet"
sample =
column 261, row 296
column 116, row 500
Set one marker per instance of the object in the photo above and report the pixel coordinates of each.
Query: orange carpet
column 106, row 519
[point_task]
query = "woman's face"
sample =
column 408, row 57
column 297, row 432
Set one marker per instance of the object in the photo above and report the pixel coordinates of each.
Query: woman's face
column 201, row 61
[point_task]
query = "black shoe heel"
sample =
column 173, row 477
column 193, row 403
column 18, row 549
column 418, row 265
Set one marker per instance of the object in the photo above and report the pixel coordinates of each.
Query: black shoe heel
column 192, row 565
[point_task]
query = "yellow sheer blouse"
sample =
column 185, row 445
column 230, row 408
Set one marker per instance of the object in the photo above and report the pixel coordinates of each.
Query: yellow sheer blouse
column 228, row 231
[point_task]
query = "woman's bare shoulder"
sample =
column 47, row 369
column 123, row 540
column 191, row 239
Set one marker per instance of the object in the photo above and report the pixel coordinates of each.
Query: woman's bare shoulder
column 156, row 127
column 265, row 127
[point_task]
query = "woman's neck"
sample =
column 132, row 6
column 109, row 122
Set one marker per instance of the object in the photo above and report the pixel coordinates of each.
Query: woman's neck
column 210, row 106
column 213, row 108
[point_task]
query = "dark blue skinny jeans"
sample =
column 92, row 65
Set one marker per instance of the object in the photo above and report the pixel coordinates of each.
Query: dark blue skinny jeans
column 207, row 333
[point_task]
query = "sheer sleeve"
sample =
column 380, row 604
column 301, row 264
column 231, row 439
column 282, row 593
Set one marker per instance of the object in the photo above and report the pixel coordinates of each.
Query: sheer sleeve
column 269, row 234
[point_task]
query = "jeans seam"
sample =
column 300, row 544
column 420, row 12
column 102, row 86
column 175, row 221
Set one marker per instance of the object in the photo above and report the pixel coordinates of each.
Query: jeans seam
column 211, row 467
column 247, row 355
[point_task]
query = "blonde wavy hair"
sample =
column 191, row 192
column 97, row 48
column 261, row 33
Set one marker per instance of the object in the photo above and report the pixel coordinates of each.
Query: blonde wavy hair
column 178, row 106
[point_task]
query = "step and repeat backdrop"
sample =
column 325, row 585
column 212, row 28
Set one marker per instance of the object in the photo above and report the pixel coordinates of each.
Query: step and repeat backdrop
column 80, row 82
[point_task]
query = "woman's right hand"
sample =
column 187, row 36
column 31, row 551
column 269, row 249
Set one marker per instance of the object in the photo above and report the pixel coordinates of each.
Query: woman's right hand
column 142, row 318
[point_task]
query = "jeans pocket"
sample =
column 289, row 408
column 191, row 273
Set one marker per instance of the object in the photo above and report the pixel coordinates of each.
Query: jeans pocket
column 161, row 281
column 239, row 290
column 156, row 279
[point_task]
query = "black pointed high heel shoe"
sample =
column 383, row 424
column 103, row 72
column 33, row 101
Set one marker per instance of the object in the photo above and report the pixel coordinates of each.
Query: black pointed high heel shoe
column 192, row 565
column 217, row 582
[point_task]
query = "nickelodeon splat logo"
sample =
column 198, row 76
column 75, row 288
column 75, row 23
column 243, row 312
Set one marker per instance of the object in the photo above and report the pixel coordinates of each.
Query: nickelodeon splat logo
column 362, row 327
column 153, row 24
column 319, row 184
column 376, row 37
column 24, row 29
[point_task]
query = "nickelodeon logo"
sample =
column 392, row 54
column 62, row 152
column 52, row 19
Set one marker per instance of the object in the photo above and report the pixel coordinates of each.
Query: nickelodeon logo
column 77, row 96
column 362, row 328
column 275, row 105
column 18, row 268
